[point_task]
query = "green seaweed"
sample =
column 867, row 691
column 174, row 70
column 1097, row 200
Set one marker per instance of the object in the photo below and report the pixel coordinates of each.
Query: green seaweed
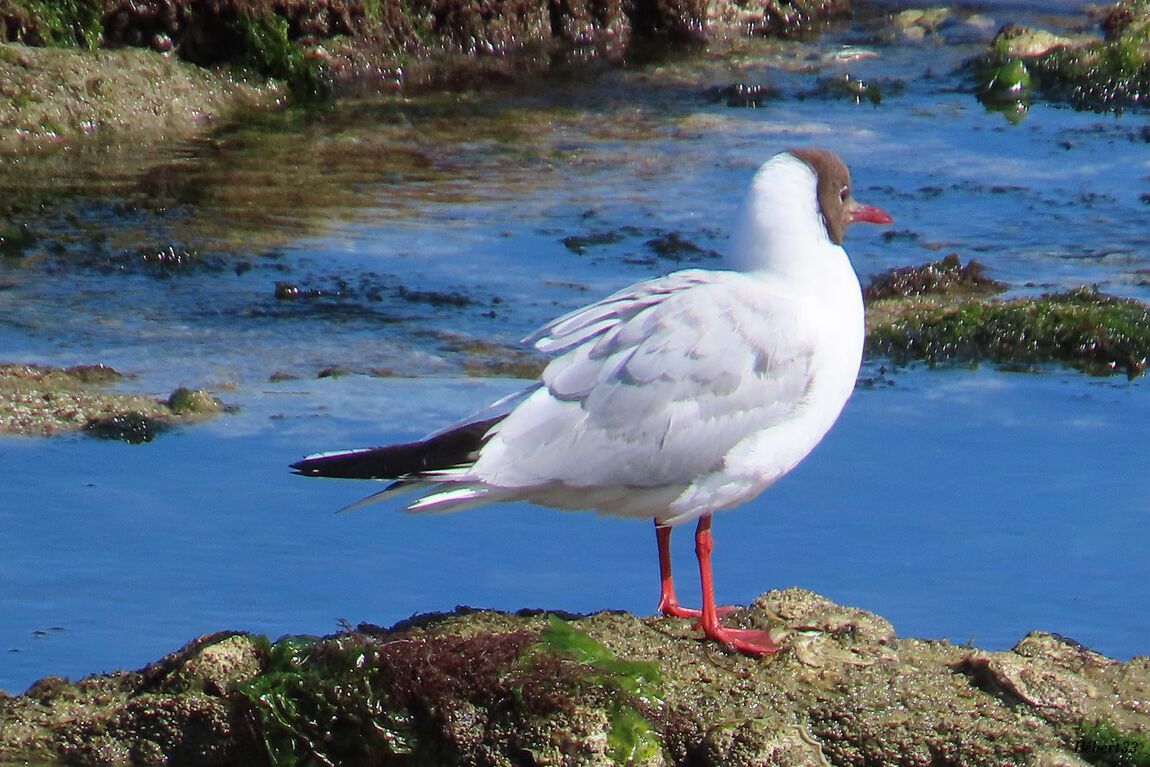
column 58, row 23
column 357, row 698
column 1084, row 329
column 1107, row 74
column 631, row 737
column 1102, row 743
column 269, row 50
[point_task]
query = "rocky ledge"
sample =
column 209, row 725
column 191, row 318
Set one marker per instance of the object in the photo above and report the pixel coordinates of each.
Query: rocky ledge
column 156, row 69
column 1110, row 72
column 479, row 687
column 42, row 400
column 947, row 313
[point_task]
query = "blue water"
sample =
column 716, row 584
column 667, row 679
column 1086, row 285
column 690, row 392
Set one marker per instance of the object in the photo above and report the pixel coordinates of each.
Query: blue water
column 965, row 504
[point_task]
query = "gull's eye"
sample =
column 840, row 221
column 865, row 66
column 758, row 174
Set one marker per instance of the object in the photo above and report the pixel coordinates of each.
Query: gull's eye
column 844, row 193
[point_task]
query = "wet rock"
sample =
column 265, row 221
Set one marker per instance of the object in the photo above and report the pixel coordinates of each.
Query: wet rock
column 745, row 95
column 188, row 402
column 475, row 686
column 917, row 23
column 579, row 243
column 753, row 742
column 855, row 89
column 93, row 374
column 778, row 18
column 673, row 246
column 1061, row 650
column 310, row 49
column 41, row 400
column 1083, row 329
column 1024, row 42
column 484, row 359
column 133, row 428
column 946, row 277
column 214, row 664
column 434, row 297
column 1089, row 73
column 1034, row 682
column 15, row 240
column 286, row 291
column 58, row 95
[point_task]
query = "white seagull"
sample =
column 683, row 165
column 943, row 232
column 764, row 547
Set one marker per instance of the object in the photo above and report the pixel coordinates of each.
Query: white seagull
column 676, row 397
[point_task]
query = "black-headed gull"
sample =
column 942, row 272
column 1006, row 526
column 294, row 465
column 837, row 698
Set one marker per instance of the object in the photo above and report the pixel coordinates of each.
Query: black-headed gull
column 676, row 397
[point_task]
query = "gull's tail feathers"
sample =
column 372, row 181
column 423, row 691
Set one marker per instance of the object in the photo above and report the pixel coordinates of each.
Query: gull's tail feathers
column 406, row 461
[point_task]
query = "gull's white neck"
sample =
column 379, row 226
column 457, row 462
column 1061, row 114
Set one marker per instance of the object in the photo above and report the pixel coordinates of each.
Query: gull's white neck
column 780, row 229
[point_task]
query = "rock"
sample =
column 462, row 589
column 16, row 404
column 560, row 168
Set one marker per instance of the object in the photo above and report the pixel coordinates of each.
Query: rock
column 217, row 667
column 41, row 400
column 924, row 20
column 753, row 743
column 187, row 402
column 1038, row 683
column 1024, row 42
column 475, row 686
column 1083, row 70
column 937, row 313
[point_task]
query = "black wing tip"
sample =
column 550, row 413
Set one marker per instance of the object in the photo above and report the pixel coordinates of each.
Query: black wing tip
column 401, row 461
column 304, row 468
column 349, row 465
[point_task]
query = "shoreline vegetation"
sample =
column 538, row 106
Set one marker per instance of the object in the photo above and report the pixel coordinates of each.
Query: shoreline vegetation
column 153, row 70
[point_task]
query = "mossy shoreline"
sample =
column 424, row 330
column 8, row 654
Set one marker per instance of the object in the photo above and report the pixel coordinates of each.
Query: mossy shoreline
column 482, row 687
column 162, row 69
column 943, row 313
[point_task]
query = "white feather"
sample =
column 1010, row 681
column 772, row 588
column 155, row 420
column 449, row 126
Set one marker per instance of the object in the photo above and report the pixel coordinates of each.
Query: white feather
column 689, row 393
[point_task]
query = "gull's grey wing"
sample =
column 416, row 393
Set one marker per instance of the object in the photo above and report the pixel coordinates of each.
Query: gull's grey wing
column 655, row 385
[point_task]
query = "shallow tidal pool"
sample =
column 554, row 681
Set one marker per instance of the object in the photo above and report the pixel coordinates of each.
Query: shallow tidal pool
column 410, row 242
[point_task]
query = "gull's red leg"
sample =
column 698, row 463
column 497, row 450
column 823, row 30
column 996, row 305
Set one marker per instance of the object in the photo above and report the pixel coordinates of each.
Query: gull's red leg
column 749, row 641
column 668, row 604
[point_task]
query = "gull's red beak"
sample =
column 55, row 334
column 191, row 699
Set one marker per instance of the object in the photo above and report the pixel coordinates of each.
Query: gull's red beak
column 869, row 214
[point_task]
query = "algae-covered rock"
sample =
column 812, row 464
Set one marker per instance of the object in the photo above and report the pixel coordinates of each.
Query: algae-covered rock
column 1083, row 329
column 946, row 277
column 53, row 95
column 940, row 313
column 187, row 402
column 481, row 687
column 124, row 718
column 1108, row 73
column 43, row 400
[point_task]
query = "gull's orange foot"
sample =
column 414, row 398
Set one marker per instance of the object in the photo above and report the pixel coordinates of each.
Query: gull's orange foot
column 748, row 641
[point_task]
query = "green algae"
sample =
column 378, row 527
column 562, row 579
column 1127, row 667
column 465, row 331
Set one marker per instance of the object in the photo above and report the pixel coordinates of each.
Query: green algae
column 481, row 687
column 1102, row 743
column 631, row 737
column 64, row 23
column 1084, row 329
column 404, row 696
column 268, row 49
column 1089, row 73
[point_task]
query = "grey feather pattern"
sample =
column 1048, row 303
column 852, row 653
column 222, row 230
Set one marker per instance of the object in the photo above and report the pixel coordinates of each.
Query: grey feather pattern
column 656, row 384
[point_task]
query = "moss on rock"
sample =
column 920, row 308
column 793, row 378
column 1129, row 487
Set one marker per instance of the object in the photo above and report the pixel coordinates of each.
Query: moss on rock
column 478, row 687
column 42, row 400
column 1091, row 73
column 308, row 48
column 942, row 313
column 1084, row 329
